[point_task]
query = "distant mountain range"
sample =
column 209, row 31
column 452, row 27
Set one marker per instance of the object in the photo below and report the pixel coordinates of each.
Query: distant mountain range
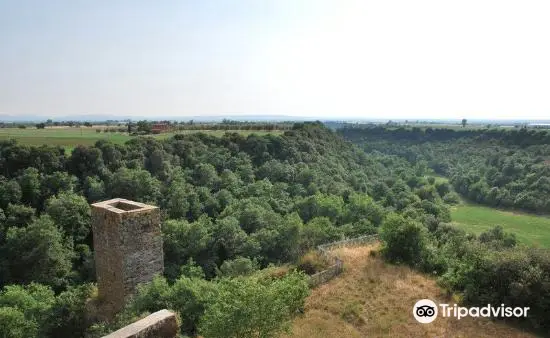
column 252, row 118
column 100, row 117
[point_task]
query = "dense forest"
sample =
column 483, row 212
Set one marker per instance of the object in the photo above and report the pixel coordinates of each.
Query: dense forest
column 496, row 167
column 240, row 212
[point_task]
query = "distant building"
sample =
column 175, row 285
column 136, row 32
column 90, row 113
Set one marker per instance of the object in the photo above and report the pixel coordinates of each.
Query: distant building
column 160, row 128
column 539, row 125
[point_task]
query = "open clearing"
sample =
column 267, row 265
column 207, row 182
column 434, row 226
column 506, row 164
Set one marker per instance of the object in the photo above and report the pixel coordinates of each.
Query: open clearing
column 531, row 230
column 70, row 137
column 375, row 299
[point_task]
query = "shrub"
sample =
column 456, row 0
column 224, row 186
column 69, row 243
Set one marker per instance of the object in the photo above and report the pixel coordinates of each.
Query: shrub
column 404, row 240
column 497, row 238
column 351, row 313
column 523, row 277
column 312, row 262
column 246, row 307
column 240, row 266
column 451, row 198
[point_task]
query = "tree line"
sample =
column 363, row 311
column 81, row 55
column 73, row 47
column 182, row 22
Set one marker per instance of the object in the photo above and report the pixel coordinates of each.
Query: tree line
column 504, row 168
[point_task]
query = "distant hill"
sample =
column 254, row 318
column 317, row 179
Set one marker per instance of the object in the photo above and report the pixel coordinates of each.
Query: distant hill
column 246, row 117
column 105, row 117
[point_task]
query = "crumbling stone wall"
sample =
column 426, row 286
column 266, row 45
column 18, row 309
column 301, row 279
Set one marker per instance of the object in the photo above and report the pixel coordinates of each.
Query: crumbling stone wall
column 127, row 249
column 161, row 324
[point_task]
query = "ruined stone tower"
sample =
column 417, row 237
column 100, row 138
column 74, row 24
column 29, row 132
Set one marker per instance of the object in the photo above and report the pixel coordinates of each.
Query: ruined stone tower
column 127, row 249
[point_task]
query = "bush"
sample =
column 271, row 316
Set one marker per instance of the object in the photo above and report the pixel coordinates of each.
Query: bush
column 497, row 238
column 451, row 198
column 352, row 313
column 312, row 262
column 13, row 324
column 524, row 281
column 247, row 308
column 404, row 240
column 68, row 317
column 240, row 266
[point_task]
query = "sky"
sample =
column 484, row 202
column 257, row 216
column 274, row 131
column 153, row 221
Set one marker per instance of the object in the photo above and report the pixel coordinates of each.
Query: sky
column 435, row 59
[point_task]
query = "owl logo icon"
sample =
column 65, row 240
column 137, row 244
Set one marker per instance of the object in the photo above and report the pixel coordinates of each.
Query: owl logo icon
column 425, row 311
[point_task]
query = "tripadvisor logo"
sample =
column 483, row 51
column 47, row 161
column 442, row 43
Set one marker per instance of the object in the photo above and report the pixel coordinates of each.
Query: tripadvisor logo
column 426, row 311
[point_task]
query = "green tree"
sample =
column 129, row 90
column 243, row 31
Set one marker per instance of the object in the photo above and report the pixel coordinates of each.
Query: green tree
column 33, row 300
column 317, row 231
column 247, row 307
column 10, row 192
column 85, row 161
column 404, row 239
column 57, row 182
column 18, row 215
column 184, row 240
column 68, row 312
column 30, row 181
column 94, row 189
column 144, row 126
column 13, row 324
column 205, row 175
column 37, row 253
column 361, row 206
column 134, row 184
column 230, row 240
column 188, row 296
column 72, row 213
column 240, row 266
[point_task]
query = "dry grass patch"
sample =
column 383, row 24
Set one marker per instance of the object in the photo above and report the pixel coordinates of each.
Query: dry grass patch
column 375, row 299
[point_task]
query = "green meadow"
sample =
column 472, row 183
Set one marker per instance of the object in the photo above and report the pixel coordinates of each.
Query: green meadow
column 69, row 138
column 530, row 229
column 65, row 137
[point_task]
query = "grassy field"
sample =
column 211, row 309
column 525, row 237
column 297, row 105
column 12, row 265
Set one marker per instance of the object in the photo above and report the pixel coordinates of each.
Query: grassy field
column 71, row 137
column 66, row 137
column 529, row 229
column 375, row 299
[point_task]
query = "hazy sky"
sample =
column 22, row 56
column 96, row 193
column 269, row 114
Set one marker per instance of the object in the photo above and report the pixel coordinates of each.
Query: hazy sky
column 384, row 59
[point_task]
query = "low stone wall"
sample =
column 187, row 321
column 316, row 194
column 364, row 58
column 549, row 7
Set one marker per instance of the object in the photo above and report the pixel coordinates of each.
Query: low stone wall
column 161, row 324
column 337, row 265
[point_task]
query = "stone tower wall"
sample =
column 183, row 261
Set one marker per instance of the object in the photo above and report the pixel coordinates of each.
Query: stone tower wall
column 127, row 249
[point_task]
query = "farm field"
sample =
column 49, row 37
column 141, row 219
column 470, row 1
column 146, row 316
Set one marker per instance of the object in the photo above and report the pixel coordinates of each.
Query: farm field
column 530, row 229
column 71, row 137
column 375, row 299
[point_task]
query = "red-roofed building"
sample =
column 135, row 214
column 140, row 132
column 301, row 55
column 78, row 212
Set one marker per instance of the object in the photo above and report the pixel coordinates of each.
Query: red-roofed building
column 160, row 128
